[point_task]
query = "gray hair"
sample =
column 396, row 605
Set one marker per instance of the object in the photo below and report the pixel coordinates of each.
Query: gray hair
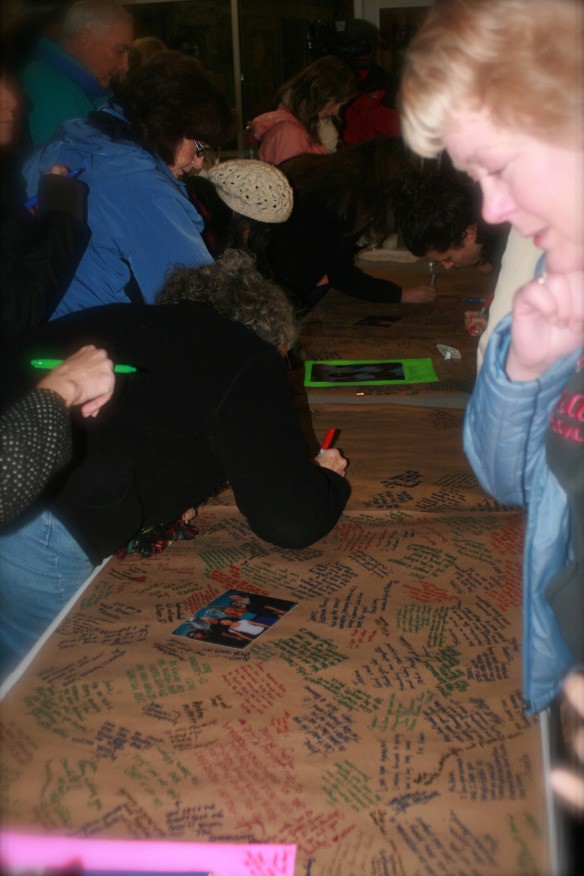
column 93, row 15
column 234, row 287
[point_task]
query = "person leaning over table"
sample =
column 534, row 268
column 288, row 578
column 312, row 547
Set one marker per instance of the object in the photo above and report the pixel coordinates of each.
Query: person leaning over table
column 133, row 154
column 35, row 433
column 210, row 403
column 477, row 83
column 241, row 202
column 337, row 199
column 312, row 97
column 438, row 213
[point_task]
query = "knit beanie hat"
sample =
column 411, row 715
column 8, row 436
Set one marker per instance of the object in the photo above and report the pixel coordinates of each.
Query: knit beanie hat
column 253, row 188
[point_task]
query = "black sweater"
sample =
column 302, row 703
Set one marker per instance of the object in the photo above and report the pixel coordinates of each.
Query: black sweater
column 312, row 243
column 210, row 402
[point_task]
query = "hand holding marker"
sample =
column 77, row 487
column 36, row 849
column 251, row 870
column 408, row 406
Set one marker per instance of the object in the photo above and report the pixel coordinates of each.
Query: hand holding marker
column 48, row 364
column 333, row 460
column 486, row 305
column 32, row 202
column 327, row 441
column 476, row 321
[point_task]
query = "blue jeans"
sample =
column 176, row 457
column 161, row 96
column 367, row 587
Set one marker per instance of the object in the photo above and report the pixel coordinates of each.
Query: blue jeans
column 41, row 567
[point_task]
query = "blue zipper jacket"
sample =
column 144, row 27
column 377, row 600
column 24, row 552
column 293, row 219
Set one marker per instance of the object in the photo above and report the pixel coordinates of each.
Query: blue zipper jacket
column 141, row 220
column 504, row 439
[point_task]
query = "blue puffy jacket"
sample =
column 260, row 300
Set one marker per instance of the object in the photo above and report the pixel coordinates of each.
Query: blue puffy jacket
column 504, row 438
column 142, row 222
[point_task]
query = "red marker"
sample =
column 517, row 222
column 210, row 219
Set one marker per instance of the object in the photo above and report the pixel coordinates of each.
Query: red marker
column 327, row 441
column 486, row 305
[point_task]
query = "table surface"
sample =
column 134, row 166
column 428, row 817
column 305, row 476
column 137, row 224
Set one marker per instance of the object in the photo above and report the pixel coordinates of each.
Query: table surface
column 379, row 725
column 329, row 332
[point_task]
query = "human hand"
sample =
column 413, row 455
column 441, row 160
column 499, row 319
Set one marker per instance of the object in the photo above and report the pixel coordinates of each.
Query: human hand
column 547, row 323
column 418, row 294
column 569, row 783
column 474, row 323
column 332, row 459
column 86, row 378
column 58, row 170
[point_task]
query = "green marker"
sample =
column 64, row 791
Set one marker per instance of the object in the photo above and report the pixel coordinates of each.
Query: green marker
column 47, row 364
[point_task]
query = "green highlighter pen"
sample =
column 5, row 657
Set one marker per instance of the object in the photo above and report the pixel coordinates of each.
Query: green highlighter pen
column 47, row 364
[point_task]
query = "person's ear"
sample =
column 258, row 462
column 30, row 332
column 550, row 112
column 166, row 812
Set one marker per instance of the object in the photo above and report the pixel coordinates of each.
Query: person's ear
column 470, row 235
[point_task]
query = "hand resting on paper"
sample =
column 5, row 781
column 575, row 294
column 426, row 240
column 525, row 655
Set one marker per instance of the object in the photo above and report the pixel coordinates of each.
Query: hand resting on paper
column 332, row 459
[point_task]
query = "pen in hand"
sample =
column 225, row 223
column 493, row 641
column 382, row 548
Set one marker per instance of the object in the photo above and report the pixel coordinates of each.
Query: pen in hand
column 432, row 272
column 333, row 460
column 32, row 202
column 327, row 441
column 48, row 364
column 486, row 305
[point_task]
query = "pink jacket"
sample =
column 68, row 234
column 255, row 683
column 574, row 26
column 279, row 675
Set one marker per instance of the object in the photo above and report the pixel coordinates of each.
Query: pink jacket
column 281, row 135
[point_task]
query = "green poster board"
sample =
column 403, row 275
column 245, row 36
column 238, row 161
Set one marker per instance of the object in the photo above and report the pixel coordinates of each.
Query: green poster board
column 367, row 372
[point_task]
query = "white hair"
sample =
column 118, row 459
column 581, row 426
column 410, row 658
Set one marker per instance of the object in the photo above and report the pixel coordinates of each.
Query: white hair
column 93, row 15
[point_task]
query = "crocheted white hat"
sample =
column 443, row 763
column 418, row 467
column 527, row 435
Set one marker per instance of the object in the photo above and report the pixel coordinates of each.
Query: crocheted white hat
column 253, row 188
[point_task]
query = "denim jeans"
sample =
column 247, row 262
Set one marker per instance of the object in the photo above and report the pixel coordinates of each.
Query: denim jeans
column 41, row 567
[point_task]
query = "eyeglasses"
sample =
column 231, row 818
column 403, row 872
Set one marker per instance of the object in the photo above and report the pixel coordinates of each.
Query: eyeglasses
column 200, row 148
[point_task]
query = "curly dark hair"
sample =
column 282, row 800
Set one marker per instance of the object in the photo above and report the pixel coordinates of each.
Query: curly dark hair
column 434, row 210
column 235, row 288
column 170, row 97
column 353, row 183
column 306, row 93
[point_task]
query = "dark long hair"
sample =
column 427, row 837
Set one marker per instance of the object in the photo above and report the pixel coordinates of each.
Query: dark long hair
column 306, row 93
column 354, row 183
column 170, row 97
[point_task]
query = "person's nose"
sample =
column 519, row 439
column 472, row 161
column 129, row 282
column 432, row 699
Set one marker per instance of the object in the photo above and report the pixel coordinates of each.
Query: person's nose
column 198, row 162
column 497, row 203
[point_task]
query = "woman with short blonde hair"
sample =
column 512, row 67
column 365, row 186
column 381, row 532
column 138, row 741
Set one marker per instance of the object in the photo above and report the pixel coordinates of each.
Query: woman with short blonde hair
column 499, row 84
column 520, row 58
